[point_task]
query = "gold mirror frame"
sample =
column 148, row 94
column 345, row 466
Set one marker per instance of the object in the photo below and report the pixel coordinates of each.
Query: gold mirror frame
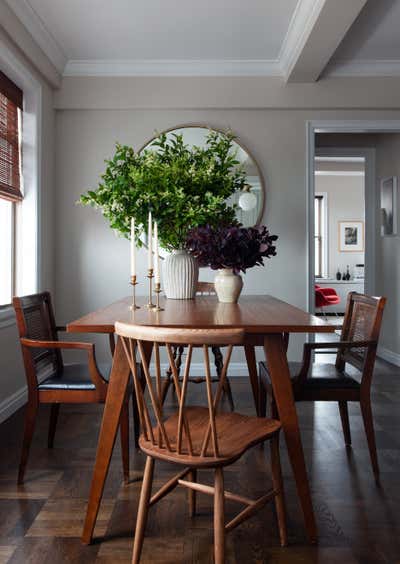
column 239, row 143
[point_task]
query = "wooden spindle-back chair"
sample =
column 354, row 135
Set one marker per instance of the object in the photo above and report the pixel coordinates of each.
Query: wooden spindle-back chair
column 203, row 289
column 331, row 382
column 195, row 436
column 50, row 380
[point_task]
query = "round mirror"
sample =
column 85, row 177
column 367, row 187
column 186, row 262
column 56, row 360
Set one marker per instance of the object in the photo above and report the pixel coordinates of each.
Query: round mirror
column 250, row 202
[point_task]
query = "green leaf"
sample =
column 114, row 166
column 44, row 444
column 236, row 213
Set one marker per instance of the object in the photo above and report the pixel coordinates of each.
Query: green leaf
column 184, row 187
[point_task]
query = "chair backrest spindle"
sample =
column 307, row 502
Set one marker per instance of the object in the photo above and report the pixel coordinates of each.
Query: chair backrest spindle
column 182, row 404
column 179, row 438
column 211, row 409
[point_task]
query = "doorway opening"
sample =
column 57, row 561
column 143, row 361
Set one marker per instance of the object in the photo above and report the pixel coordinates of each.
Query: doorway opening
column 378, row 141
column 339, row 227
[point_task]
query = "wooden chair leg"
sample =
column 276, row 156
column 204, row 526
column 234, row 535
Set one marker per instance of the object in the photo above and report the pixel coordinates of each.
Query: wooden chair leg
column 219, row 517
column 30, row 419
column 124, row 431
column 344, row 416
column 278, row 485
column 143, row 509
column 55, row 409
column 262, row 396
column 192, row 476
column 369, row 431
column 272, row 409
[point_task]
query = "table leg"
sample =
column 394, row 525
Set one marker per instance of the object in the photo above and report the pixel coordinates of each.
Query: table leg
column 117, row 387
column 250, row 353
column 275, row 352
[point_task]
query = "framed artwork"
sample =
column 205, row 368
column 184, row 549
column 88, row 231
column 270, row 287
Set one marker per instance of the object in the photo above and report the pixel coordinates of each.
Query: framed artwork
column 351, row 236
column 389, row 206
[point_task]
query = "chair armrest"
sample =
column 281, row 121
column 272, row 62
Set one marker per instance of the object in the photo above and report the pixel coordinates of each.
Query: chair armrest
column 94, row 372
column 34, row 343
column 326, row 291
column 338, row 345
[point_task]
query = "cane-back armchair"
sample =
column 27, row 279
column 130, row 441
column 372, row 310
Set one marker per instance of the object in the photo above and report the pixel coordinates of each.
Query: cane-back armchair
column 50, row 380
column 349, row 378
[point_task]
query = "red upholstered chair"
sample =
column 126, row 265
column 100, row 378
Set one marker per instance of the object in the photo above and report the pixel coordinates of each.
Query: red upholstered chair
column 325, row 297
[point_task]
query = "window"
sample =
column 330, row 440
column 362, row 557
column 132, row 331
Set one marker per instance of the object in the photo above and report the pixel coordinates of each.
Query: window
column 320, row 235
column 10, row 182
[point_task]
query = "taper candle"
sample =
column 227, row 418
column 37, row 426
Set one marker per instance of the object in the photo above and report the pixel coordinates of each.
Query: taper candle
column 133, row 248
column 150, row 243
column 156, row 257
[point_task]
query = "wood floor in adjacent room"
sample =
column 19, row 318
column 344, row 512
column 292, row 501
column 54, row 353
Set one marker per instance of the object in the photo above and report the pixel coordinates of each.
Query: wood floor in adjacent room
column 41, row 522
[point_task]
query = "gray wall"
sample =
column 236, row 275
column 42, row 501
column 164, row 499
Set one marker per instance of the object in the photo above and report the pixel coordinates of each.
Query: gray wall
column 388, row 248
column 387, row 149
column 92, row 264
column 345, row 202
column 12, row 378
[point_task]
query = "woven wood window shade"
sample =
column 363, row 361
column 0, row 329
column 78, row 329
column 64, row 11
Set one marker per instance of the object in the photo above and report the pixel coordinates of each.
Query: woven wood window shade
column 10, row 176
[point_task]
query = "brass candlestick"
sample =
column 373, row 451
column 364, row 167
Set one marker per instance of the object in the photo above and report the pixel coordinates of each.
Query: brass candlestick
column 158, row 291
column 133, row 283
column 150, row 276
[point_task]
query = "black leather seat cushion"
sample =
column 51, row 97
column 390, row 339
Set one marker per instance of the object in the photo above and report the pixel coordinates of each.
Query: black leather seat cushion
column 321, row 376
column 74, row 377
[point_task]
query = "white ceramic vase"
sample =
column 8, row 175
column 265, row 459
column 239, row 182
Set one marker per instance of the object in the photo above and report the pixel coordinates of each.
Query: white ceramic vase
column 181, row 274
column 228, row 285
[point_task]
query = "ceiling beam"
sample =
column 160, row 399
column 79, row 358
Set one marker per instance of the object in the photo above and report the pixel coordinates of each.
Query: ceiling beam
column 315, row 31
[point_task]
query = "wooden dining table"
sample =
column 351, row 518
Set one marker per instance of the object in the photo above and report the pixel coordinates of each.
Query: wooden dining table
column 266, row 321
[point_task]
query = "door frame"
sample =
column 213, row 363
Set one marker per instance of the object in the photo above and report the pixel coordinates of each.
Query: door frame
column 370, row 204
column 371, row 192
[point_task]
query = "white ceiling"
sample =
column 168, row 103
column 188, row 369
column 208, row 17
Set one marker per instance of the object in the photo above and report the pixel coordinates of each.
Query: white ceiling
column 167, row 29
column 296, row 39
column 373, row 41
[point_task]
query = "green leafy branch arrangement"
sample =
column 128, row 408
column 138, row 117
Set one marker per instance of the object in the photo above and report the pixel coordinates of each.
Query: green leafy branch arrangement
column 184, row 187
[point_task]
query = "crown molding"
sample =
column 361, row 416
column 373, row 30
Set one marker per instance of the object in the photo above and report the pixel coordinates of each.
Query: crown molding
column 213, row 67
column 168, row 67
column 35, row 26
column 365, row 68
column 301, row 23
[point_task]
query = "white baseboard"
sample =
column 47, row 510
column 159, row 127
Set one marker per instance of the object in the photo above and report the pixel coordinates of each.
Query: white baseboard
column 11, row 404
column 389, row 356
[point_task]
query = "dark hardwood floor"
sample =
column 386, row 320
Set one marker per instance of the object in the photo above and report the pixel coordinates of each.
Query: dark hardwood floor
column 41, row 522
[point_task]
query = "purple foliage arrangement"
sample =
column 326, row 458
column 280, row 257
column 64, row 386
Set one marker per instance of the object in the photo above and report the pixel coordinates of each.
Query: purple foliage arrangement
column 231, row 246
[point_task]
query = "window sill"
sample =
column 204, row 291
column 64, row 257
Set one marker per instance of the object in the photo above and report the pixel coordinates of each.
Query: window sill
column 7, row 316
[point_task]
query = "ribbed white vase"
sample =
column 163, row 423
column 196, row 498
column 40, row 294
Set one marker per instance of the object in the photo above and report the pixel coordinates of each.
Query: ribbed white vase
column 228, row 285
column 181, row 273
